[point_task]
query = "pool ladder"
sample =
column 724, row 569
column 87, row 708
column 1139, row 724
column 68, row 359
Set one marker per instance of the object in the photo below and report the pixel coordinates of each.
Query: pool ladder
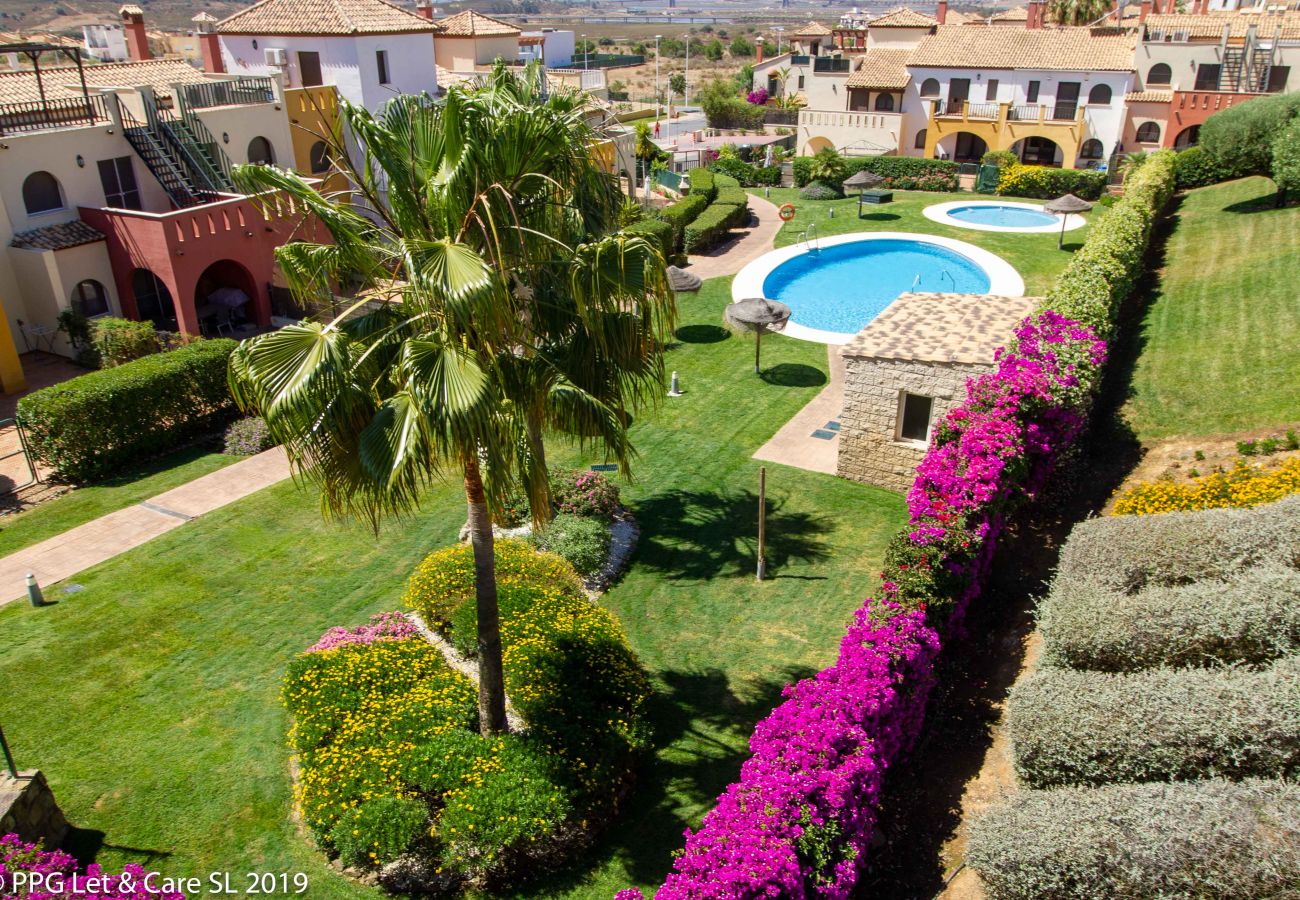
column 942, row 274
column 808, row 237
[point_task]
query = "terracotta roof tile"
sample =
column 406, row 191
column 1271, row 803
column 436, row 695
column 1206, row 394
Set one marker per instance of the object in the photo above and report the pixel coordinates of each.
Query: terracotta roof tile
column 1015, row 14
column 57, row 237
column 1062, row 48
column 130, row 10
column 472, row 23
column 62, row 82
column 324, row 17
column 903, row 17
column 813, row 29
column 881, row 69
column 944, row 328
column 1211, row 25
column 1150, row 96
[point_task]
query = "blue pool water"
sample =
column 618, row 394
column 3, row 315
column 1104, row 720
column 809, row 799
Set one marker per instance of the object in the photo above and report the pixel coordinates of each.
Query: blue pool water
column 1005, row 216
column 843, row 287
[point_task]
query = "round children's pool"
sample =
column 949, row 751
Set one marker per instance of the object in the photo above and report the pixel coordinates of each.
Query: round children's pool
column 837, row 285
column 1000, row 215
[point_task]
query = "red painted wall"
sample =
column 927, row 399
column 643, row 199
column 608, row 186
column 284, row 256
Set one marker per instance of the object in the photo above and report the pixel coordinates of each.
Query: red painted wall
column 1190, row 108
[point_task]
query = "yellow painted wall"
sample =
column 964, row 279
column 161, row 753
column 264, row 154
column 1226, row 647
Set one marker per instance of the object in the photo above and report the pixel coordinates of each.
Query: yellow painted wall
column 312, row 111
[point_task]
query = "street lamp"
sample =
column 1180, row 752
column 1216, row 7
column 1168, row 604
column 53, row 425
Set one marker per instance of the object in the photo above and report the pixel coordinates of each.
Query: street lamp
column 657, row 37
column 780, row 32
column 686, row 76
column 585, row 51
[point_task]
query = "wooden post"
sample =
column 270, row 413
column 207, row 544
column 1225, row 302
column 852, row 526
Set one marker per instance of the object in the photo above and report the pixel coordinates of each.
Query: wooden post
column 762, row 522
column 758, row 345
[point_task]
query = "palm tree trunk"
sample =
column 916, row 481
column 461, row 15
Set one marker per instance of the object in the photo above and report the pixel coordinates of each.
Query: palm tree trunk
column 491, row 678
column 538, row 448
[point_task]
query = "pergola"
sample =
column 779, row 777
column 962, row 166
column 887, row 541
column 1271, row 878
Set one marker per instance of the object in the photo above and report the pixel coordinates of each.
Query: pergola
column 33, row 52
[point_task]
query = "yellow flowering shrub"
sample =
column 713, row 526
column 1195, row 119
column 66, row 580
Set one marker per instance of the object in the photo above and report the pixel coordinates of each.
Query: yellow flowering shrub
column 1244, row 485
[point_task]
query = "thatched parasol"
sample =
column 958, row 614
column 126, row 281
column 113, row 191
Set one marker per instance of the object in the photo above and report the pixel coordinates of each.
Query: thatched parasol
column 755, row 317
column 862, row 179
column 681, row 280
column 1065, row 207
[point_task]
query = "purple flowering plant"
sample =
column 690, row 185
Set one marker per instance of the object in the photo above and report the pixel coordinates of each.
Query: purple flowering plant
column 29, row 872
column 758, row 97
column 384, row 626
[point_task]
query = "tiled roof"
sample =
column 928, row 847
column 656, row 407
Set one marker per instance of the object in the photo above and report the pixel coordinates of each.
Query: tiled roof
column 204, row 16
column 813, row 29
column 62, row 82
column 1155, row 96
column 955, row 17
column 324, row 17
column 1061, row 48
column 945, row 328
column 472, row 23
column 1211, row 25
column 130, row 10
column 1015, row 14
column 903, row 17
column 57, row 237
column 881, row 69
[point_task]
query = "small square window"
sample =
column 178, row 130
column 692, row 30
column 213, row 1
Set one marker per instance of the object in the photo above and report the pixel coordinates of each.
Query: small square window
column 914, row 417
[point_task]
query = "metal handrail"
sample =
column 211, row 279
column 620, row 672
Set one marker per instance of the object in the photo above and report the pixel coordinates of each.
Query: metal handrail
column 982, row 110
column 41, row 115
column 245, row 89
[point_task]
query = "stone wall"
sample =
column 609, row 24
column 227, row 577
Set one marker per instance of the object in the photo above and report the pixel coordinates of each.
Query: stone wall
column 28, row 808
column 869, row 449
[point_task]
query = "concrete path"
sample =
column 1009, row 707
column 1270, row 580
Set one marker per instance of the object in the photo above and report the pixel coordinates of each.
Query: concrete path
column 95, row 542
column 795, row 444
column 748, row 245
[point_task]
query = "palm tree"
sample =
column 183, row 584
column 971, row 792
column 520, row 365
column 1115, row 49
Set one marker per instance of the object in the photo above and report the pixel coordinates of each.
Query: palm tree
column 827, row 166
column 1078, row 12
column 495, row 301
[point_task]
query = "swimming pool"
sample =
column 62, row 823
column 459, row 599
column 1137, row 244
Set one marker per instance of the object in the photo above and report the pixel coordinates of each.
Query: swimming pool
column 836, row 289
column 1000, row 215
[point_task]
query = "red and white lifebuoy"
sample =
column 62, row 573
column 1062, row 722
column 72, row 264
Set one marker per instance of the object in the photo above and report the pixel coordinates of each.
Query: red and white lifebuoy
column 786, row 212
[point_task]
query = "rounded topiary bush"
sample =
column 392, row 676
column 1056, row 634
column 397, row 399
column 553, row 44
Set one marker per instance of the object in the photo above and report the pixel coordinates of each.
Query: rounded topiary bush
column 1078, row 727
column 820, row 190
column 1251, row 617
column 1210, row 838
column 582, row 542
column 248, row 437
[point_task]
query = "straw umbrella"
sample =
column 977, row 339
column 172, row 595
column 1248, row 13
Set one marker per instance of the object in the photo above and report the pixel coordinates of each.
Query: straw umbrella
column 1065, row 207
column 756, row 316
column 862, row 179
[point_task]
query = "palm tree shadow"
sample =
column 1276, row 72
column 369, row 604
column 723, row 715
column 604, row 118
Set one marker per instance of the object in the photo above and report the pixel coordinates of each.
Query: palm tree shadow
column 697, row 535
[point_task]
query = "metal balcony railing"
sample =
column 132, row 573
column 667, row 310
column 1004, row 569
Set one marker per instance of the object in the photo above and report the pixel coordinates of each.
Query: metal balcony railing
column 246, row 89
column 43, row 115
column 832, row 64
column 982, row 110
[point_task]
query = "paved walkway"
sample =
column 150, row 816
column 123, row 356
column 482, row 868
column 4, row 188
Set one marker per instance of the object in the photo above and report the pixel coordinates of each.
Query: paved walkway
column 805, row 442
column 735, row 254
column 95, row 542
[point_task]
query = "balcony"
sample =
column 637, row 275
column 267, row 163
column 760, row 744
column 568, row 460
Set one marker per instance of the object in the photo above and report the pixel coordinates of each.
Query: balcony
column 241, row 91
column 832, row 65
column 47, row 114
column 1040, row 114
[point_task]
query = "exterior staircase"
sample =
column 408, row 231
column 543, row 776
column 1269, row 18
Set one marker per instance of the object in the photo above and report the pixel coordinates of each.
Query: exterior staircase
column 179, row 152
column 158, row 157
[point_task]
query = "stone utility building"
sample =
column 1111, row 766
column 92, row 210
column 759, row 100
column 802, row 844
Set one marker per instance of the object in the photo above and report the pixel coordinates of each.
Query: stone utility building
column 907, row 369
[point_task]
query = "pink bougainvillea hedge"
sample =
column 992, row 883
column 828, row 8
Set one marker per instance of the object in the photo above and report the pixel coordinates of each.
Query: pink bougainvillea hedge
column 29, row 872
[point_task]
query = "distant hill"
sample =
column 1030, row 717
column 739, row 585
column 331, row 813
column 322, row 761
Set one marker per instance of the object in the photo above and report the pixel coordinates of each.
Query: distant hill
column 61, row 17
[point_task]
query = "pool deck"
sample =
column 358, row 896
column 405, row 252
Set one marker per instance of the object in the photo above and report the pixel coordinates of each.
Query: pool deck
column 795, row 444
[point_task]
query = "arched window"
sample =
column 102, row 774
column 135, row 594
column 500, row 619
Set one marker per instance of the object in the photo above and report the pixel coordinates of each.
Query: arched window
column 1099, row 95
column 1159, row 74
column 919, row 143
column 41, row 193
column 1091, row 149
column 90, row 299
column 1149, row 133
column 884, row 102
column 260, row 152
column 320, row 158
column 1187, row 137
column 930, row 87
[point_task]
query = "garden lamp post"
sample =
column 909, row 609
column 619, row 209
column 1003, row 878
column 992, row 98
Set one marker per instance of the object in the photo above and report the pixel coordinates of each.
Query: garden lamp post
column 9, row 757
column 586, row 50
column 657, row 37
column 1065, row 207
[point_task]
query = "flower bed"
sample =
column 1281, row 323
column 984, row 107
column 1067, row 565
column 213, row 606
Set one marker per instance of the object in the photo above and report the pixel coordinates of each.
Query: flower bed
column 799, row 821
column 393, row 772
column 21, row 862
column 1244, row 485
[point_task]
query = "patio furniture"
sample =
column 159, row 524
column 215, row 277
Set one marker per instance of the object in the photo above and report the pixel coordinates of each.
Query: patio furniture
column 1065, row 207
column 756, row 316
column 876, row 196
column 40, row 334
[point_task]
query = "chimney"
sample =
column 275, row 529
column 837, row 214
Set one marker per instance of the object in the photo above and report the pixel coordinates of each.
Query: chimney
column 1144, row 11
column 205, row 28
column 1034, row 14
column 137, row 42
column 758, row 49
column 942, row 12
column 425, row 8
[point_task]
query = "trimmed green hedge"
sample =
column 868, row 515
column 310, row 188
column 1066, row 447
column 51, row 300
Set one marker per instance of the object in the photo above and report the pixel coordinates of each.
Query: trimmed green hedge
column 1101, row 275
column 1046, row 183
column 1252, row 617
column 747, row 174
column 1077, row 727
column 711, row 228
column 884, row 166
column 682, row 213
column 1194, row 168
column 95, row 425
column 703, row 182
column 658, row 231
column 1142, row 842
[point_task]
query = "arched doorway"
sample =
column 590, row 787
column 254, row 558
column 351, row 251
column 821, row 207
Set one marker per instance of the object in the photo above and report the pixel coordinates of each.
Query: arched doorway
column 153, row 302
column 962, row 147
column 1038, row 151
column 224, row 297
column 816, row 145
column 1187, row 137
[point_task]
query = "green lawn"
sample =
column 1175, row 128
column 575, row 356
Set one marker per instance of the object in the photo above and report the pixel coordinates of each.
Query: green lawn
column 1034, row 256
column 84, row 504
column 1221, row 337
column 151, row 697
